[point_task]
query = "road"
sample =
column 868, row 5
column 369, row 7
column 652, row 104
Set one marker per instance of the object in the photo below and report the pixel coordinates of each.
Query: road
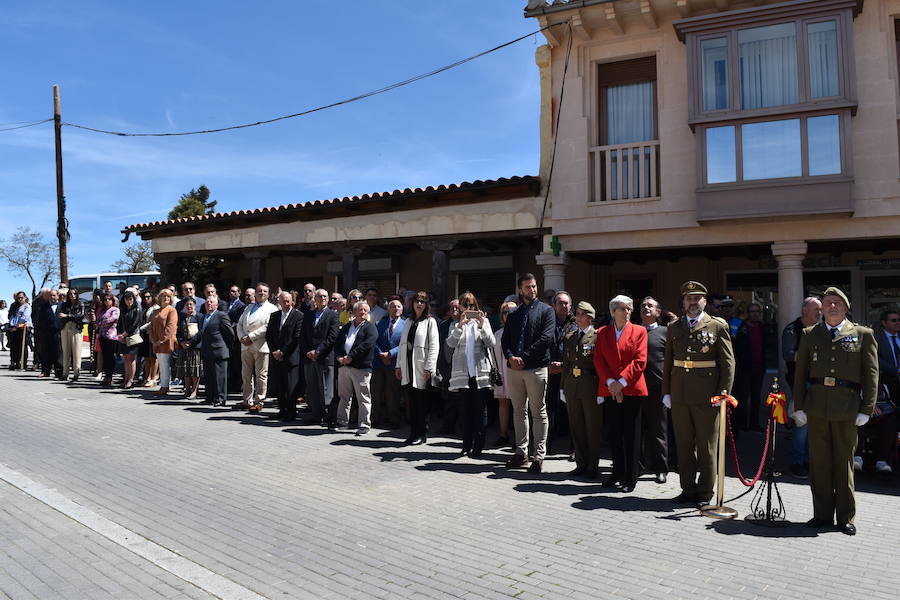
column 112, row 494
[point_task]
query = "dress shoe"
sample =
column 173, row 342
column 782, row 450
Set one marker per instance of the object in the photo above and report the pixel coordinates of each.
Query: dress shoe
column 799, row 471
column 857, row 463
column 819, row 523
column 256, row 408
column 417, row 442
column 517, row 461
column 578, row 471
column 628, row 488
column 660, row 478
column 882, row 467
column 362, row 431
column 684, row 498
column 848, row 529
column 222, row 404
column 536, row 465
column 464, row 451
column 475, row 454
column 501, row 441
column 592, row 475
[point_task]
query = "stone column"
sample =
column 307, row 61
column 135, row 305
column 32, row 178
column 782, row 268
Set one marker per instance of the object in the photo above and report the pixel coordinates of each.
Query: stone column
column 554, row 271
column 440, row 268
column 789, row 256
column 167, row 272
column 350, row 263
column 257, row 259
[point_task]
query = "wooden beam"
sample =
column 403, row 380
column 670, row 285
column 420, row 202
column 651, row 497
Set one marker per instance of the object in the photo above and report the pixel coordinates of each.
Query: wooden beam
column 612, row 19
column 548, row 33
column 647, row 14
column 684, row 8
column 580, row 29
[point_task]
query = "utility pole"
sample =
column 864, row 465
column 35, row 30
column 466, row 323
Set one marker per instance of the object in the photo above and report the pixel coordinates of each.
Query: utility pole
column 62, row 227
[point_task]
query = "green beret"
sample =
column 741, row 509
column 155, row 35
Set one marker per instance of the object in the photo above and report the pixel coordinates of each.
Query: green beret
column 587, row 308
column 833, row 291
column 693, row 287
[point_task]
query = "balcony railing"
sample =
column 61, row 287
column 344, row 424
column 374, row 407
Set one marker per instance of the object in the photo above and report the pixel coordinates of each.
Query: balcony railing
column 625, row 171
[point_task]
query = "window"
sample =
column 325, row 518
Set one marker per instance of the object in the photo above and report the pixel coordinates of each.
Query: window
column 778, row 149
column 772, row 91
column 625, row 163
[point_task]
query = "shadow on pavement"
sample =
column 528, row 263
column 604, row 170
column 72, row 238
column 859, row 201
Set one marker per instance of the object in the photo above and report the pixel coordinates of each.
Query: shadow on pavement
column 624, row 503
column 564, row 489
column 414, row 456
column 250, row 420
column 741, row 527
column 459, row 467
column 362, row 442
column 313, row 430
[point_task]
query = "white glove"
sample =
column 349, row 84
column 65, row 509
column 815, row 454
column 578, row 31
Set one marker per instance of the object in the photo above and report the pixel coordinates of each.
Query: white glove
column 599, row 400
column 861, row 419
column 799, row 417
column 667, row 401
column 562, row 396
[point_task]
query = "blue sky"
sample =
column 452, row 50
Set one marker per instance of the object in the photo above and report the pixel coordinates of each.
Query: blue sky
column 175, row 66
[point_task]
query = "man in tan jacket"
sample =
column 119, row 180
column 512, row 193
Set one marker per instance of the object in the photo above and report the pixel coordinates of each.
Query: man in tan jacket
column 251, row 331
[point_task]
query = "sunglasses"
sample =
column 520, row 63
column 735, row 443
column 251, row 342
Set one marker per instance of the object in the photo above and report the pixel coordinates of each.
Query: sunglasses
column 420, row 301
column 892, row 320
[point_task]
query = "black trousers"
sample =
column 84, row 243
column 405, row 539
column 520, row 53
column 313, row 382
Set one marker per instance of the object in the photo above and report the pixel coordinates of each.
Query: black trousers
column 215, row 379
column 108, row 349
column 749, row 397
column 654, row 432
column 287, row 379
column 624, row 420
column 419, row 407
column 16, row 342
column 50, row 352
column 474, row 416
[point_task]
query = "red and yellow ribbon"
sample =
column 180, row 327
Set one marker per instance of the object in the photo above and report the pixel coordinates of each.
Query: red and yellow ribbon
column 717, row 400
column 778, row 402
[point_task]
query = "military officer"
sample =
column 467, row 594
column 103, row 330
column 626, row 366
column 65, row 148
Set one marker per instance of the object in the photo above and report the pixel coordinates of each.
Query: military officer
column 579, row 385
column 698, row 365
column 835, row 389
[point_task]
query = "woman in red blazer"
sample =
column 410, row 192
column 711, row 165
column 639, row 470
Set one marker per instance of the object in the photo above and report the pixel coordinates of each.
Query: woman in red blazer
column 620, row 357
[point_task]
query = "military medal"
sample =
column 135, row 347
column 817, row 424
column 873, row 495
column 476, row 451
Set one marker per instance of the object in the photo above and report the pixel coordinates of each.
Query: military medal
column 576, row 372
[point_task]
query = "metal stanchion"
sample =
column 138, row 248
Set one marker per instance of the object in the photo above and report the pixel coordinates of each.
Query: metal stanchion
column 718, row 510
column 773, row 513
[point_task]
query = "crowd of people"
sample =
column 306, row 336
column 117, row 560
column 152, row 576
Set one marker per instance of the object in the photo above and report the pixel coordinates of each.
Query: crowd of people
column 555, row 370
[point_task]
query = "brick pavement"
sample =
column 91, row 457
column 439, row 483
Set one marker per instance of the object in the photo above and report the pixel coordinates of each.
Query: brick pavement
column 294, row 512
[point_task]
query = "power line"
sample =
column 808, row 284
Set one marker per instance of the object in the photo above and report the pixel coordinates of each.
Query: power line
column 382, row 90
column 27, row 124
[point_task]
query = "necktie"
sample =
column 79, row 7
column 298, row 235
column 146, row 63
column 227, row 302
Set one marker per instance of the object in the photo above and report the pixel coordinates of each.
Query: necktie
column 896, row 351
column 692, row 322
column 391, row 330
column 834, row 332
column 580, row 335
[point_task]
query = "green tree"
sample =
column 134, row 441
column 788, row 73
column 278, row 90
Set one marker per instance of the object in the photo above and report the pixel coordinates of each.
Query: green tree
column 199, row 269
column 193, row 204
column 136, row 258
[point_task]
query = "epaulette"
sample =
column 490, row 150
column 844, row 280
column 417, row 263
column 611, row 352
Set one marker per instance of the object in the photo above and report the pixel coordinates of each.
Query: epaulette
column 722, row 322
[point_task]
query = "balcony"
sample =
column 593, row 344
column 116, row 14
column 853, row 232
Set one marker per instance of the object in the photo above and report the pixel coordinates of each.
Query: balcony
column 625, row 172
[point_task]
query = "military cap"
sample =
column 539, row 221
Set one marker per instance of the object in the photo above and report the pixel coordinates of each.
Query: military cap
column 693, row 287
column 727, row 301
column 833, row 291
column 587, row 308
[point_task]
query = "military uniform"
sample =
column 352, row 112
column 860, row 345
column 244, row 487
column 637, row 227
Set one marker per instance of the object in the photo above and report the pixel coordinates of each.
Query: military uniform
column 698, row 364
column 579, row 383
column 836, row 379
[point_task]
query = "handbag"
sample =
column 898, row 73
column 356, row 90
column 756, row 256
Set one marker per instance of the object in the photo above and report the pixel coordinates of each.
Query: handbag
column 495, row 377
column 134, row 340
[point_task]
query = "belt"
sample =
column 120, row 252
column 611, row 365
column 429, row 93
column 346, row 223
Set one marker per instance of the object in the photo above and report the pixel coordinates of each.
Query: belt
column 835, row 382
column 694, row 364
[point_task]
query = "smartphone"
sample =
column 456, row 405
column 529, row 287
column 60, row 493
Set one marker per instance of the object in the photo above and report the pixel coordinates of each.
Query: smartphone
column 473, row 314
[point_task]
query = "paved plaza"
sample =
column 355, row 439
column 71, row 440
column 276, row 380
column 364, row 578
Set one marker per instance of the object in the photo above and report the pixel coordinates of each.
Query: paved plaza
column 111, row 494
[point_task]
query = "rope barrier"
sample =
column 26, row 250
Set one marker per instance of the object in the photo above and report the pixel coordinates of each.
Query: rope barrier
column 734, row 456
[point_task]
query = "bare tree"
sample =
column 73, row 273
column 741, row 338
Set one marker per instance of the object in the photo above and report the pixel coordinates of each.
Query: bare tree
column 29, row 252
column 138, row 257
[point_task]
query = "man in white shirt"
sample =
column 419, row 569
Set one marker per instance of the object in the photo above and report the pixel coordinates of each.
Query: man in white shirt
column 375, row 310
column 355, row 351
column 251, row 331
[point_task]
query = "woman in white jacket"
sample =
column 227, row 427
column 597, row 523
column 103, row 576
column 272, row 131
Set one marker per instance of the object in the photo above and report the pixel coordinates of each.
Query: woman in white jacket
column 470, row 343
column 416, row 363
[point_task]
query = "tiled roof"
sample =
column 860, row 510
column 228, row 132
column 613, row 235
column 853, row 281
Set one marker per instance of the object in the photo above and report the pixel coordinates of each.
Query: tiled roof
column 472, row 186
column 541, row 7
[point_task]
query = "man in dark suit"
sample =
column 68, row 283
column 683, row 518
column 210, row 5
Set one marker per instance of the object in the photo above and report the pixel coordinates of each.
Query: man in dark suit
column 215, row 338
column 385, row 385
column 355, row 351
column 889, row 353
column 235, row 307
column 654, row 414
column 317, row 336
column 283, row 339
